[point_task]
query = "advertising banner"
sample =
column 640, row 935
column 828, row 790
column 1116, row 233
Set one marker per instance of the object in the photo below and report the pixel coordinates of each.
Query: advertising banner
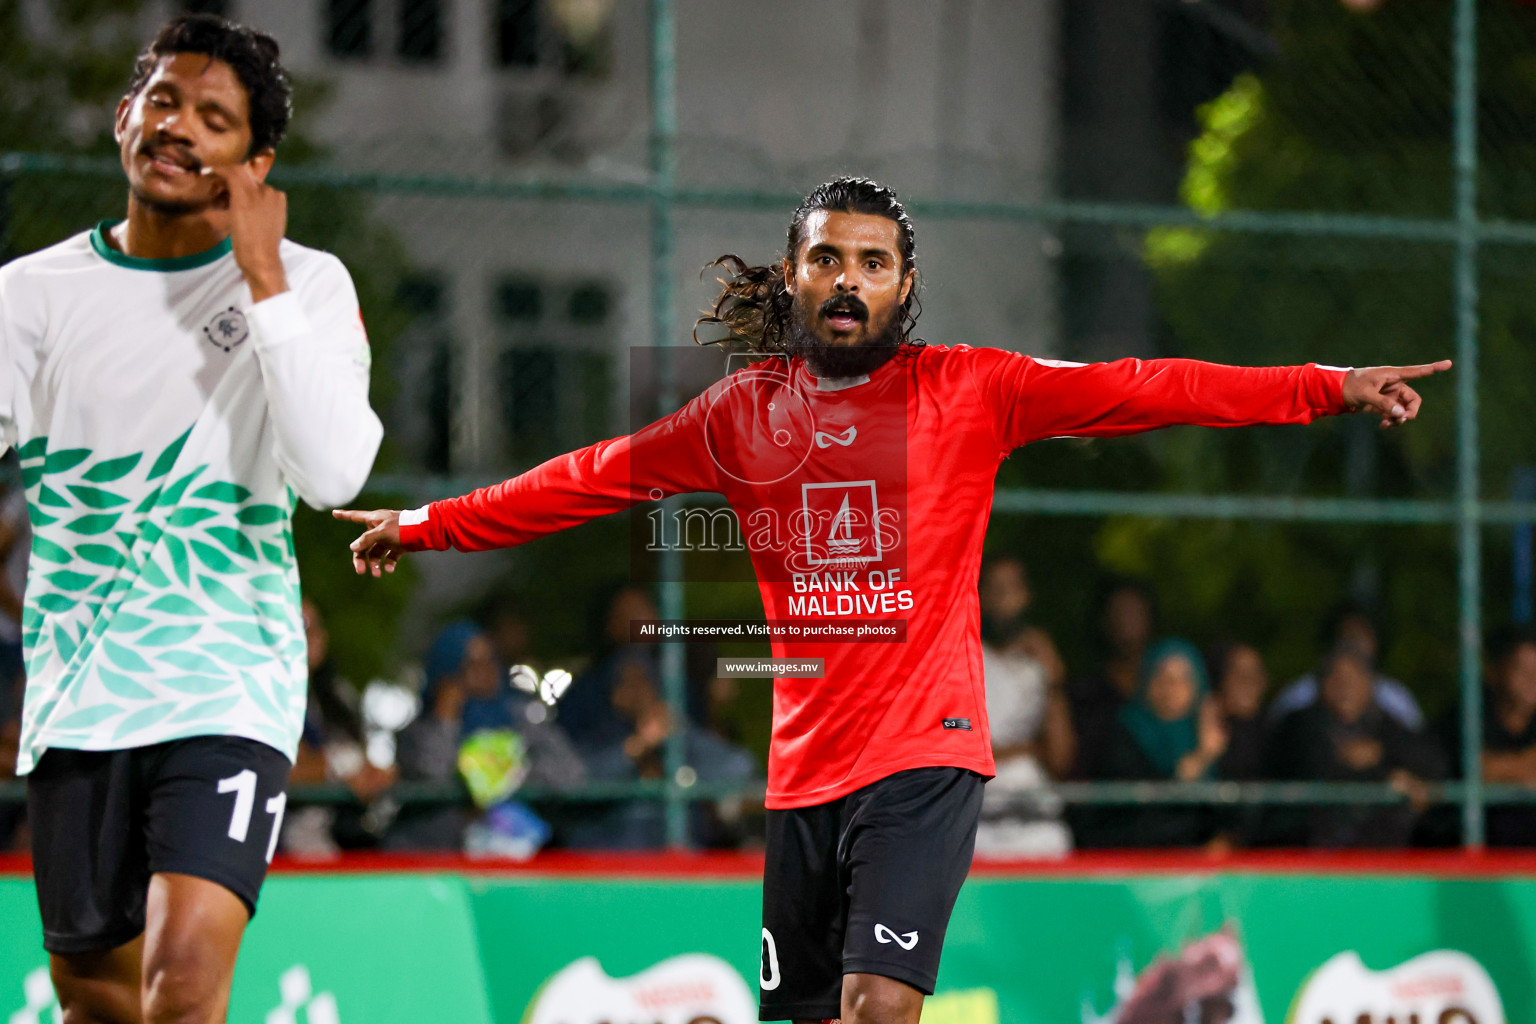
column 1262, row 948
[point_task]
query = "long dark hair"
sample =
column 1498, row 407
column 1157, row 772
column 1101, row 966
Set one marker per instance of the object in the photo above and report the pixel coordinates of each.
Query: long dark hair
column 754, row 305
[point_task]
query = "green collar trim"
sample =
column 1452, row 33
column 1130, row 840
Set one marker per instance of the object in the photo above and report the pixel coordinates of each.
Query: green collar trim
column 122, row 259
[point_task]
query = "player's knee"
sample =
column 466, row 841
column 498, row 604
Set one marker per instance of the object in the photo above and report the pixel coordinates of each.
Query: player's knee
column 872, row 999
column 90, row 990
column 181, row 987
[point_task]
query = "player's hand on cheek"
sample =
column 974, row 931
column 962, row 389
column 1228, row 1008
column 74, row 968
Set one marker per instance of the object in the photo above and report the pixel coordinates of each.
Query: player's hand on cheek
column 258, row 219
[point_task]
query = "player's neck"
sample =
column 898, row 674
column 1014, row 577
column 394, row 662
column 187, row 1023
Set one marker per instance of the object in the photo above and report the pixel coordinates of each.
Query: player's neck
column 150, row 234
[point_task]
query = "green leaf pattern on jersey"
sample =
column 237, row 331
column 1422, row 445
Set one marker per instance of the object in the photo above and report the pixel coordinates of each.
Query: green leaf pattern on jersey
column 159, row 601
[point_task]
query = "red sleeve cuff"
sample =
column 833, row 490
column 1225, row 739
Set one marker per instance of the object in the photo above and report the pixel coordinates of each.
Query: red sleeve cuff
column 420, row 530
column 1325, row 388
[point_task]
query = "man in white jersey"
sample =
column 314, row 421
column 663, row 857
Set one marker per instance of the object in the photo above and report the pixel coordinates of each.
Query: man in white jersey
column 173, row 383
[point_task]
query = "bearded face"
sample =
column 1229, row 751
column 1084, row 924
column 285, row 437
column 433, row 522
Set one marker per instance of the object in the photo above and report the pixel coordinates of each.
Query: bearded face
column 848, row 282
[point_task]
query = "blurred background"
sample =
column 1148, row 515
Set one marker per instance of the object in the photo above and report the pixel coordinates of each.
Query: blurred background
column 1254, row 647
column 526, row 192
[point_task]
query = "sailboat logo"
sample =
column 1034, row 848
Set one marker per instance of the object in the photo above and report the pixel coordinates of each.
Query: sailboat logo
column 840, row 523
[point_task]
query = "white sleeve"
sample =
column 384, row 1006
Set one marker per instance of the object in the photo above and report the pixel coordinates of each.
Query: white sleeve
column 10, row 384
column 314, row 363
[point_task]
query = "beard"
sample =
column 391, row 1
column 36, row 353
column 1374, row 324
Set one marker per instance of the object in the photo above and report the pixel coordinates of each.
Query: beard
column 856, row 360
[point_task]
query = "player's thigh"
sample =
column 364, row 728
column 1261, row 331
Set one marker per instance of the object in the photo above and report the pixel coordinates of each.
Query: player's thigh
column 908, row 849
column 89, row 860
column 101, row 986
column 804, row 906
column 215, row 809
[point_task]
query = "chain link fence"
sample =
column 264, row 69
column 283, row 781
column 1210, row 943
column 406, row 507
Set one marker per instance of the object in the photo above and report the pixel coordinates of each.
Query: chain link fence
column 526, row 190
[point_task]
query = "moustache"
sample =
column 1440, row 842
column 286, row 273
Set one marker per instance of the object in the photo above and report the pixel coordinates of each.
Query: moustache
column 849, row 305
column 176, row 153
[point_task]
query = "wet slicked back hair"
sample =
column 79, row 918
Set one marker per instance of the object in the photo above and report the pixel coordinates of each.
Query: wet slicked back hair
column 251, row 54
column 754, row 304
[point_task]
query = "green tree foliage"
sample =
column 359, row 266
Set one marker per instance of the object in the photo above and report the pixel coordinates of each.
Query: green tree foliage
column 1354, row 117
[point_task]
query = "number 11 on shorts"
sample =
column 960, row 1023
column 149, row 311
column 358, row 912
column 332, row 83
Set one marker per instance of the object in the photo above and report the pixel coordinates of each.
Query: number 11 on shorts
column 243, row 785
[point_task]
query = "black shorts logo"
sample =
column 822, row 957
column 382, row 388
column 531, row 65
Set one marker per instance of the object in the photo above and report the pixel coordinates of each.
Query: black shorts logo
column 958, row 723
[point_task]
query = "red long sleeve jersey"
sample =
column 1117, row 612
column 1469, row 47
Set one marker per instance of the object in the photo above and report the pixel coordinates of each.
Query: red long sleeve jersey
column 870, row 502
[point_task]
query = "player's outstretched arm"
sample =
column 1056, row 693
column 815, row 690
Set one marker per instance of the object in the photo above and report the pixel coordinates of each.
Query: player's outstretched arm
column 671, row 456
column 1040, row 398
column 1384, row 390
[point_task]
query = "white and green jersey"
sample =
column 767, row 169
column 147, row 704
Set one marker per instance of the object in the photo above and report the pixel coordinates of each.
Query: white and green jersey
column 165, row 424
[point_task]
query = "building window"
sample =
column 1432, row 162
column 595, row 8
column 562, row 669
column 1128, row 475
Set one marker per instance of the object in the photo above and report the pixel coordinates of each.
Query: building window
column 349, row 27
column 420, row 37
column 519, row 300
column 517, row 33
column 218, row 7
column 554, row 370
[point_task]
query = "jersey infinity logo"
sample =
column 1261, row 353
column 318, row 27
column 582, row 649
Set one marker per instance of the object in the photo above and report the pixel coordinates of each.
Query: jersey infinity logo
column 823, row 439
column 885, row 935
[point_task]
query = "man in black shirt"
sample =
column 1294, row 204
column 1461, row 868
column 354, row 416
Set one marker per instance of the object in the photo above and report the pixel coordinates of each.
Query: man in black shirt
column 1509, row 731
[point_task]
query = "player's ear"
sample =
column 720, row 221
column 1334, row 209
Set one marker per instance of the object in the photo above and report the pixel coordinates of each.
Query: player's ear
column 908, row 282
column 261, row 163
column 120, row 119
column 789, row 275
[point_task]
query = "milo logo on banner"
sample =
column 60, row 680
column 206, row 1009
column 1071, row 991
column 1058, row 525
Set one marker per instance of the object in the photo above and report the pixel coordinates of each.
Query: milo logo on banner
column 694, row 988
column 1443, row 987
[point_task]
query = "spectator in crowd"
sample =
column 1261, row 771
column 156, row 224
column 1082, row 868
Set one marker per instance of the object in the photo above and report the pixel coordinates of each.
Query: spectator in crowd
column 587, row 710
column 1126, row 622
column 640, row 753
column 332, row 748
column 1169, row 730
column 1352, row 626
column 1241, row 682
column 1032, row 737
column 467, row 692
column 506, row 628
column 1346, row 736
column 1509, row 731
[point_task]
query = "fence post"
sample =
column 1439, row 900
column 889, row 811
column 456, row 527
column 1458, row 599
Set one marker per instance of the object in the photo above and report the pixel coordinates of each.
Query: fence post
column 1469, row 529
column 663, row 161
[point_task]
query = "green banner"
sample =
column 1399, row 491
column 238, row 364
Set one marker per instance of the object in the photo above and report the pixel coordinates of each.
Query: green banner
column 526, row 949
column 322, row 950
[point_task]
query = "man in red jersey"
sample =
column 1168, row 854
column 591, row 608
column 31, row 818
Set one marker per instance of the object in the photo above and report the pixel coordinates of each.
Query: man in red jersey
column 861, row 464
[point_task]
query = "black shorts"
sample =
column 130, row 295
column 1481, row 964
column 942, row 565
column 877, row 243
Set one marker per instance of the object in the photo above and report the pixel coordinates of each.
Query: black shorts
column 104, row 821
column 864, row 885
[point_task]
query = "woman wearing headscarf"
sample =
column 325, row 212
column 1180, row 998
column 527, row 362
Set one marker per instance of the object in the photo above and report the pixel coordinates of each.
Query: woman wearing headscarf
column 467, row 692
column 1167, row 731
